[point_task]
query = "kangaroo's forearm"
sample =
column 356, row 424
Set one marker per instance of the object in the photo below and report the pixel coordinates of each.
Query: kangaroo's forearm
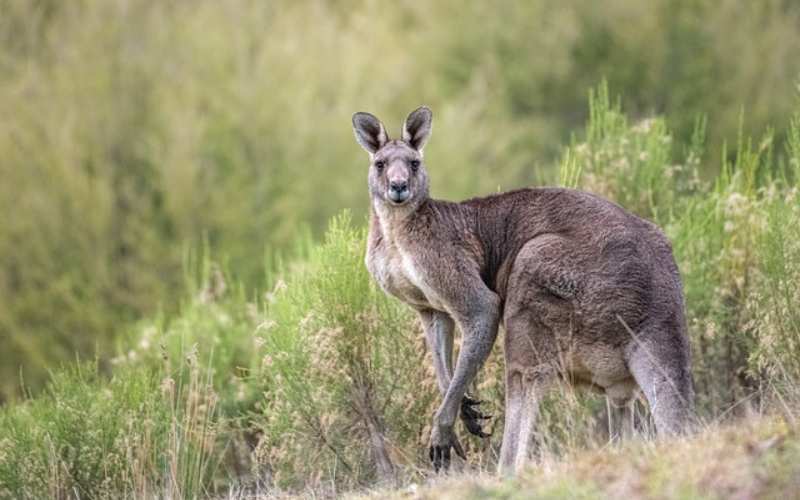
column 480, row 331
column 439, row 336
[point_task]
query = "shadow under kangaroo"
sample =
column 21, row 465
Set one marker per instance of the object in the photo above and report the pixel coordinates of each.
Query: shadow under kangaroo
column 586, row 292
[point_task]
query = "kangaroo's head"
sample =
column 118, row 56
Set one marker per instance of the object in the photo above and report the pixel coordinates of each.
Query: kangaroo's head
column 397, row 175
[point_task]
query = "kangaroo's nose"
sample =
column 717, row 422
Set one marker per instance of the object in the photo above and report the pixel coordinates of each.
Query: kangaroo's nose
column 398, row 186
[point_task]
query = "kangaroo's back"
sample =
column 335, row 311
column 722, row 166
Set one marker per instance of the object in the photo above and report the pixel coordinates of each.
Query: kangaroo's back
column 610, row 242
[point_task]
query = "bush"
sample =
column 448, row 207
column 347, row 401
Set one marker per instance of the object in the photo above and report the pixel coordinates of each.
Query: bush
column 135, row 435
column 344, row 372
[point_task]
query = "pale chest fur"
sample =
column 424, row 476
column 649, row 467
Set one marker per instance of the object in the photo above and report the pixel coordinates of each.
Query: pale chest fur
column 399, row 274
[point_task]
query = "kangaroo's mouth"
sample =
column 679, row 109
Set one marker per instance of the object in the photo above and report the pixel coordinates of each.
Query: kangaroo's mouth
column 398, row 197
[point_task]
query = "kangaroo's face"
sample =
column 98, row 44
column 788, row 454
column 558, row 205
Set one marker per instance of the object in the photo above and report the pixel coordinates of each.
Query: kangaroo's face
column 397, row 175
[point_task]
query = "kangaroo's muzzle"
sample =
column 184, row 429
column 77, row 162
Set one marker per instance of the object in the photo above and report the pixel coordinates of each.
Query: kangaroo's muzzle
column 398, row 191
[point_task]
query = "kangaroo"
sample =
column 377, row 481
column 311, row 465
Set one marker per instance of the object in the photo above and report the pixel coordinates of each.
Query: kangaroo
column 586, row 292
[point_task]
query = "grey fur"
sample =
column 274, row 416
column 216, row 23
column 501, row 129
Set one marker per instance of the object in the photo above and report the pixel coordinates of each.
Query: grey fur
column 586, row 292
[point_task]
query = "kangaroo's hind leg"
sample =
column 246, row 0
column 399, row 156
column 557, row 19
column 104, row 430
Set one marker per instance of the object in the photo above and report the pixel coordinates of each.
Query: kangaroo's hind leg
column 534, row 314
column 620, row 413
column 530, row 373
column 659, row 361
column 524, row 391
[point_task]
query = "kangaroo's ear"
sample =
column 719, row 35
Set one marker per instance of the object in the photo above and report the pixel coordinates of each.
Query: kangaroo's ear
column 417, row 127
column 370, row 132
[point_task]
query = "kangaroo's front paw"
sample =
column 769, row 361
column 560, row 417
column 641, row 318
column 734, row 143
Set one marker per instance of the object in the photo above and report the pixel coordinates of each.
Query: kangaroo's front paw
column 472, row 417
column 443, row 438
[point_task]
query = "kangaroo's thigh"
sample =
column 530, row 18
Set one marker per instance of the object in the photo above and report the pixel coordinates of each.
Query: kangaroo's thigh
column 539, row 308
column 549, row 263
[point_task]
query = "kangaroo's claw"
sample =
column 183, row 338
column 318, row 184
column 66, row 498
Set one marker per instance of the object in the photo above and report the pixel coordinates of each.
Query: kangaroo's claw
column 440, row 453
column 472, row 417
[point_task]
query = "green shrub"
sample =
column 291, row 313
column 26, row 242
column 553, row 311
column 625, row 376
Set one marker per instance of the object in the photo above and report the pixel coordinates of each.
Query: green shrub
column 344, row 372
column 140, row 433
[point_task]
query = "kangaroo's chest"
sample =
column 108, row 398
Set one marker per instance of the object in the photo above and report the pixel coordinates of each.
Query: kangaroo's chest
column 400, row 274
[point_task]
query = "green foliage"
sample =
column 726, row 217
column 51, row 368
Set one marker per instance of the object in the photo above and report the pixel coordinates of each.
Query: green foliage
column 137, row 128
column 622, row 162
column 132, row 436
column 344, row 371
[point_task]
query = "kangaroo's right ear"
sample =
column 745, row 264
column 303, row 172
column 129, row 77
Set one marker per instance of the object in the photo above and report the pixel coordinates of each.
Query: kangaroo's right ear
column 370, row 132
column 417, row 127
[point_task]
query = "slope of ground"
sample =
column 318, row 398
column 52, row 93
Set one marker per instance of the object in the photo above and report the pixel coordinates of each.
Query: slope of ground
column 754, row 458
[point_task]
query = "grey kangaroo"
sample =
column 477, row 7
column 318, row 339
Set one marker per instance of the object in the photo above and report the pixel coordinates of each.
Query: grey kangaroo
column 586, row 292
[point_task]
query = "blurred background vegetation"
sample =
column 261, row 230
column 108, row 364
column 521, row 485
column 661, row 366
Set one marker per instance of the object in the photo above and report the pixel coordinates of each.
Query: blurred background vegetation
column 134, row 131
column 139, row 139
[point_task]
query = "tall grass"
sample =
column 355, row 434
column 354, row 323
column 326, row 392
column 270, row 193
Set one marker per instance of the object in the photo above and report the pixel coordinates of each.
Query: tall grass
column 133, row 436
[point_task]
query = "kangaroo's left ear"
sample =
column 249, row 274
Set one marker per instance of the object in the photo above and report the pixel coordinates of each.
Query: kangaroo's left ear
column 417, row 127
column 370, row 132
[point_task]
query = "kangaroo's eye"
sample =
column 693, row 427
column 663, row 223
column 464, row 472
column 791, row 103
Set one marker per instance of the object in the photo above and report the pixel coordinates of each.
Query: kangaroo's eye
column 414, row 165
column 379, row 165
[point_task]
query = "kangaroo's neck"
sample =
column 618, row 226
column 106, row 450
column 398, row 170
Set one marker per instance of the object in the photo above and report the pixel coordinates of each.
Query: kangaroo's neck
column 396, row 225
column 389, row 221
